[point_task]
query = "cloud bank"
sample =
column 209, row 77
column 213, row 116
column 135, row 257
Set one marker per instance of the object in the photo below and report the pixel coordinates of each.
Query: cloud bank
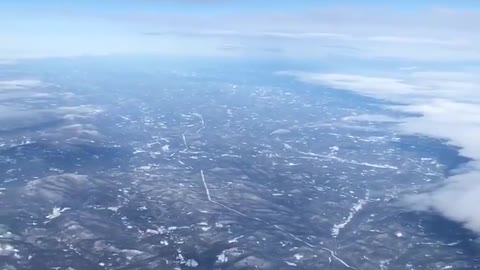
column 448, row 105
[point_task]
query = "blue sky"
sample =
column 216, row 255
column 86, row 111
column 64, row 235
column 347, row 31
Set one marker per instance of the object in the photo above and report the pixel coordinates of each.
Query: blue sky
column 236, row 3
column 216, row 6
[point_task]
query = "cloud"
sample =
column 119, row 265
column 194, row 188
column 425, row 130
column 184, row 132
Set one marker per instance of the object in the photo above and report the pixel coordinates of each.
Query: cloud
column 55, row 123
column 447, row 106
column 7, row 62
column 372, row 118
column 373, row 86
column 417, row 40
column 21, row 88
column 407, row 85
column 19, row 84
column 360, row 33
column 256, row 34
column 12, row 120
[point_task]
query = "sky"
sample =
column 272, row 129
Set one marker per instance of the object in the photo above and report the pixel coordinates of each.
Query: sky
column 432, row 49
column 398, row 30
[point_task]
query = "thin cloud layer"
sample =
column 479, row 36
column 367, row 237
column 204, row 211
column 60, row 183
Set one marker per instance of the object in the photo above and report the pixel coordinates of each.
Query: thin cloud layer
column 448, row 107
column 19, row 84
column 54, row 123
column 428, row 35
column 352, row 32
column 436, row 35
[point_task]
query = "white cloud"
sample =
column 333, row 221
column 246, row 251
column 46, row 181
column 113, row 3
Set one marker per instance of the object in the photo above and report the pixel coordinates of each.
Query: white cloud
column 373, row 86
column 448, row 105
column 406, row 85
column 457, row 200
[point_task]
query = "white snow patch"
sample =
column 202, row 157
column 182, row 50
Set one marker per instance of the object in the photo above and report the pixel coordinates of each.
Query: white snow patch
column 222, row 258
column 164, row 242
column 166, row 148
column 384, row 264
column 162, row 230
column 287, row 146
column 113, row 208
column 298, row 256
column 235, row 240
column 334, row 148
column 56, row 212
column 150, row 231
column 7, row 250
column 229, row 155
column 191, row 263
column 280, row 131
column 355, row 209
column 206, row 228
